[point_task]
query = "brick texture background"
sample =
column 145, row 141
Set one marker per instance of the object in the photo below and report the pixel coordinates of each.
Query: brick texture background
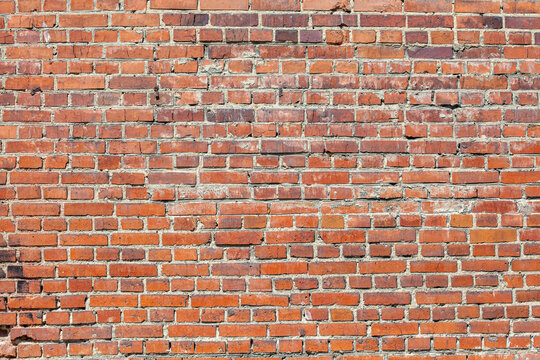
column 333, row 179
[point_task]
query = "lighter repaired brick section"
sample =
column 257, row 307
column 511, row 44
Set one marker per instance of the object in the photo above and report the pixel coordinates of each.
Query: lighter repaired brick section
column 332, row 179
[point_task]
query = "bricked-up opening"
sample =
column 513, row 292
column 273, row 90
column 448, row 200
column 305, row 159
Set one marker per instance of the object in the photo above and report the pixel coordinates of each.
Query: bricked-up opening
column 336, row 179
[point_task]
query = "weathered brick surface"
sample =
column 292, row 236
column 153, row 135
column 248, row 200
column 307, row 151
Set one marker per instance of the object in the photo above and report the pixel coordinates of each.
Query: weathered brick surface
column 332, row 179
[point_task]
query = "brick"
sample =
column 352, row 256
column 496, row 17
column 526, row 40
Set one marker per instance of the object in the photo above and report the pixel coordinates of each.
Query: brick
column 36, row 334
column 378, row 6
column 332, row 268
column 177, row 5
column 193, row 209
column 281, row 330
column 386, row 146
column 239, row 238
column 493, row 236
column 488, row 6
column 433, row 266
column 278, row 5
column 380, row 52
column 22, row 115
column 239, row 330
column 215, row 301
column 231, row 115
column 172, row 178
column 489, row 297
column 29, row 53
column 474, row 177
column 114, row 300
column 84, row 177
column 382, row 267
column 443, row 328
column 383, row 329
column 264, row 300
column 375, row 236
column 351, row 236
column 234, row 178
column 219, row 177
column 428, row 6
column 35, row 209
column 329, row 299
column 91, row 209
column 435, row 236
column 32, row 302
column 85, row 333
column 132, row 147
column 426, row 176
column 185, row 238
column 171, row 52
column 285, row 20
column 81, row 270
column 310, row 178
column 351, row 329
column 129, row 52
column 326, row 5
column 530, row 326
column 82, row 82
column 83, row 21
column 273, row 178
column 494, row 327
column 235, row 269
column 32, row 240
column 224, row 5
column 387, row 298
column 282, row 147
column 192, row 331
column 140, row 210
column 520, row 177
column 284, row 237
column 81, row 239
column 453, row 297
column 440, row 52
column 525, row 265
column 283, row 268
column 135, row 20
column 137, row 331
column 185, row 270
column 129, row 270
column 134, row 239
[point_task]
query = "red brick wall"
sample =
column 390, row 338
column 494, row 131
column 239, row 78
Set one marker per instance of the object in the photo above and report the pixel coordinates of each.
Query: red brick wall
column 270, row 178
